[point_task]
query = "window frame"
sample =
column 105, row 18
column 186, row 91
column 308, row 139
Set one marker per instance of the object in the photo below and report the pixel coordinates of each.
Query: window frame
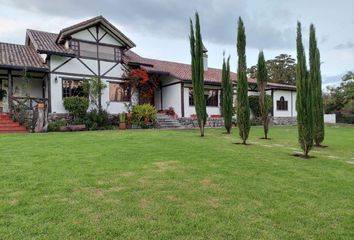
column 191, row 101
column 119, row 83
column 70, row 80
column 282, row 104
column 116, row 49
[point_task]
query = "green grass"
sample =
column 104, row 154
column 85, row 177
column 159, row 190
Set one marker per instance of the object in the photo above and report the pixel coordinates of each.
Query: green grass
column 150, row 184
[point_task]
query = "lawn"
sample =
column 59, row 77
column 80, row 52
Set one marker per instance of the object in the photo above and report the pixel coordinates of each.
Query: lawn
column 151, row 184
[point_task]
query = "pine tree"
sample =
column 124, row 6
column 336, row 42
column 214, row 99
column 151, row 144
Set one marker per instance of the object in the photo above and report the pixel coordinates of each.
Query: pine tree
column 262, row 76
column 304, row 98
column 196, row 45
column 243, row 109
column 227, row 95
column 316, row 81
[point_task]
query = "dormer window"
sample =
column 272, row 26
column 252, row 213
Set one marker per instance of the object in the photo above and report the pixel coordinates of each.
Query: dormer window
column 106, row 52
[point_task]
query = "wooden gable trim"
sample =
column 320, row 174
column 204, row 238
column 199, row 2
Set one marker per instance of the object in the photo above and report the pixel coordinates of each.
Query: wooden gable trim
column 62, row 64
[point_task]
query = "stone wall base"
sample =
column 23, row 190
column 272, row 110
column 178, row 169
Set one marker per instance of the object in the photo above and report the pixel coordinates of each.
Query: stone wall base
column 284, row 120
column 188, row 122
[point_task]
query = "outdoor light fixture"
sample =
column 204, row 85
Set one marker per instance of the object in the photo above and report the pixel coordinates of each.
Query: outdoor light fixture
column 56, row 80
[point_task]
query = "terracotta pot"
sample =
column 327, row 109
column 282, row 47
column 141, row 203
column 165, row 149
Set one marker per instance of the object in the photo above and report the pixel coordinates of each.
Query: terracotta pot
column 122, row 126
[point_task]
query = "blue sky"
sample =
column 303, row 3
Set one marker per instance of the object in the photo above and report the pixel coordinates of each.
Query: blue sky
column 160, row 27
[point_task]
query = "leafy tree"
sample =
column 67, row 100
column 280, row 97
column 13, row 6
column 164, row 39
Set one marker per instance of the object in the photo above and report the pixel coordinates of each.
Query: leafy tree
column 262, row 76
column 196, row 45
column 304, row 98
column 340, row 100
column 93, row 88
column 227, row 95
column 316, row 81
column 281, row 69
column 243, row 109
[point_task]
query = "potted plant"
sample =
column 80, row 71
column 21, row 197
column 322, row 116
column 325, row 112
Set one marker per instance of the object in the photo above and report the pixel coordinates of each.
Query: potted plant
column 3, row 94
column 129, row 107
column 122, row 121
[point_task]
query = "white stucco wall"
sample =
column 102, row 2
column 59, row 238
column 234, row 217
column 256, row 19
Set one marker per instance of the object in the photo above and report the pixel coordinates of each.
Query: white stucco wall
column 171, row 97
column 289, row 96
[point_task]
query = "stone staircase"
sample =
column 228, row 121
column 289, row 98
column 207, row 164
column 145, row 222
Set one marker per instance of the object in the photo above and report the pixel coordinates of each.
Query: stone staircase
column 7, row 125
column 166, row 122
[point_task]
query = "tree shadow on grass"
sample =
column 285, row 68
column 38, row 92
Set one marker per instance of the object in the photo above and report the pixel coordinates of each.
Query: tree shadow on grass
column 299, row 155
column 321, row 146
column 263, row 138
column 239, row 143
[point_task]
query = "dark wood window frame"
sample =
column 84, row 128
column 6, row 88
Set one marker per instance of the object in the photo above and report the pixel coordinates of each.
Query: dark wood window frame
column 209, row 103
column 74, row 44
column 70, row 92
column 126, row 98
column 282, row 105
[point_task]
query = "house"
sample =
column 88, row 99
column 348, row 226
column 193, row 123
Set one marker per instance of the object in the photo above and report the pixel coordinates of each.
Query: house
column 51, row 66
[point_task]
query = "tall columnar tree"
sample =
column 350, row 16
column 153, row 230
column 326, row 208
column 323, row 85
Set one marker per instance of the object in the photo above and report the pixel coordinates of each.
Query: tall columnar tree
column 304, row 98
column 262, row 76
column 243, row 109
column 196, row 45
column 316, row 81
column 227, row 95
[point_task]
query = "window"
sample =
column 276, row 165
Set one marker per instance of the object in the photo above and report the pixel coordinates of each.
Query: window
column 72, row 87
column 211, row 97
column 119, row 92
column 282, row 105
column 74, row 45
column 89, row 50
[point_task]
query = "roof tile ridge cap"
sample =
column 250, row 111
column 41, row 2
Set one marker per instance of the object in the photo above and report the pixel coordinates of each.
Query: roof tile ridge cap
column 28, row 31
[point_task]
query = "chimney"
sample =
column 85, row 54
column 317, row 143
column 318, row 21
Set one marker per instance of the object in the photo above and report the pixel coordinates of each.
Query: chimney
column 205, row 58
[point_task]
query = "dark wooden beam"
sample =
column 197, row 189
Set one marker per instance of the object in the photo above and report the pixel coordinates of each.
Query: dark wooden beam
column 161, row 97
column 62, row 64
column 182, row 99
column 10, row 88
column 104, row 74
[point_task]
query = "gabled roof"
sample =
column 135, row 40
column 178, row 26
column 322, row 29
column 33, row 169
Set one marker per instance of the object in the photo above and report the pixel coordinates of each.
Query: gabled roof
column 66, row 32
column 44, row 42
column 17, row 56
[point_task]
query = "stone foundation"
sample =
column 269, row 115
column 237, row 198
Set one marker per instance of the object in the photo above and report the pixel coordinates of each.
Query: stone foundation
column 59, row 116
column 188, row 122
column 284, row 121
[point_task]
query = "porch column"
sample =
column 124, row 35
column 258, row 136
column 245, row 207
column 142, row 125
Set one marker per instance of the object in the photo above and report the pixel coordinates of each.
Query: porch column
column 49, row 93
column 182, row 99
column 10, row 87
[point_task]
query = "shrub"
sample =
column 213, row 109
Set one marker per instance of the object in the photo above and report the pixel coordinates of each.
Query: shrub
column 254, row 105
column 76, row 106
column 98, row 120
column 55, row 126
column 144, row 114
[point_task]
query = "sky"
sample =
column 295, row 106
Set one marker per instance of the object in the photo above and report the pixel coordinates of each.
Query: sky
column 160, row 28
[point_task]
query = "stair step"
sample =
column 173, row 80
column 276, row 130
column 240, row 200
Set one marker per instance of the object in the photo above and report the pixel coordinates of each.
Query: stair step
column 13, row 131
column 9, row 124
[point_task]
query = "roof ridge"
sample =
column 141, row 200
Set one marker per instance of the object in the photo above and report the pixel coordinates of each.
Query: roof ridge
column 35, row 30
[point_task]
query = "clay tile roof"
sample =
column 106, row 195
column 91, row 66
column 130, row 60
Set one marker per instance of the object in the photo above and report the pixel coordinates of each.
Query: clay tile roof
column 44, row 42
column 19, row 56
column 65, row 32
column 183, row 71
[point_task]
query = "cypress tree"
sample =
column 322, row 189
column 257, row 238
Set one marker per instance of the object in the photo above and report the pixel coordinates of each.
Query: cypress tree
column 243, row 109
column 196, row 45
column 227, row 95
column 316, row 81
column 303, row 98
column 262, row 76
